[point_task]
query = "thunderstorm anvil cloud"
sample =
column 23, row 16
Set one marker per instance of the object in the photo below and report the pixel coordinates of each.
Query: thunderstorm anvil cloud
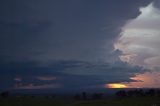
column 140, row 38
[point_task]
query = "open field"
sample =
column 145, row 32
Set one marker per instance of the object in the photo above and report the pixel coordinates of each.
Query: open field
column 42, row 101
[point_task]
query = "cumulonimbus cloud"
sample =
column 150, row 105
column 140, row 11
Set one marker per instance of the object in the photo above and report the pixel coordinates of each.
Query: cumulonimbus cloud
column 140, row 38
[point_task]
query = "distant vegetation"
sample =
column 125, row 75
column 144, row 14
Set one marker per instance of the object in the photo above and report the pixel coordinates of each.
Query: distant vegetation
column 120, row 94
column 121, row 98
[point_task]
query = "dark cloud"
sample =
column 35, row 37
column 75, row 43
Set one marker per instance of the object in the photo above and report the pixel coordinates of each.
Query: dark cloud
column 70, row 74
column 40, row 38
column 28, row 29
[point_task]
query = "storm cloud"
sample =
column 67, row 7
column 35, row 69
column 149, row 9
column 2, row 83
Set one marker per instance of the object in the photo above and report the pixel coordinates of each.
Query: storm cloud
column 66, row 74
column 70, row 44
column 139, row 40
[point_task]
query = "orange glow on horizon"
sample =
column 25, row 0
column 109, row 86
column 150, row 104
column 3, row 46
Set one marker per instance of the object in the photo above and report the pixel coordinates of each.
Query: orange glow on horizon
column 116, row 85
column 145, row 80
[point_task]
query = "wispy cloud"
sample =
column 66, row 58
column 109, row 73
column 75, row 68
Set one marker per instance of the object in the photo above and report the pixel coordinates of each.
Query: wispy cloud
column 18, row 79
column 46, row 78
column 36, row 86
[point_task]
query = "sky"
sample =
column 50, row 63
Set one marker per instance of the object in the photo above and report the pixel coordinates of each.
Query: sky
column 63, row 45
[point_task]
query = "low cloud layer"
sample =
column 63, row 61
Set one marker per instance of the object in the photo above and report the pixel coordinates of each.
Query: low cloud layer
column 140, row 38
column 68, row 74
column 40, row 86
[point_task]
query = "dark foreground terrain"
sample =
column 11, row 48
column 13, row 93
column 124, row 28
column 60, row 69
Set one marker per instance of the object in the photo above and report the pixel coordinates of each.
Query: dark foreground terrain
column 43, row 101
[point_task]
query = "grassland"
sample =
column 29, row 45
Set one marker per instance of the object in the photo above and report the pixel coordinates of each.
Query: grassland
column 43, row 101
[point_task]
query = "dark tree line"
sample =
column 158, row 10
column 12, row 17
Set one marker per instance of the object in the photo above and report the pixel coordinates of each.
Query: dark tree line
column 85, row 96
column 136, row 93
column 121, row 93
column 94, row 96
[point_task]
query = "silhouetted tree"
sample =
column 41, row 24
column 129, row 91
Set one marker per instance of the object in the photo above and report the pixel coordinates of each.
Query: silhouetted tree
column 135, row 93
column 4, row 94
column 158, row 92
column 121, row 93
column 84, row 95
column 151, row 92
column 130, row 93
column 32, row 96
column 141, row 93
column 53, row 96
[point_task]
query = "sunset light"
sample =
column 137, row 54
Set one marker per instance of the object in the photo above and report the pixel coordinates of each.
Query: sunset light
column 80, row 52
column 116, row 85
